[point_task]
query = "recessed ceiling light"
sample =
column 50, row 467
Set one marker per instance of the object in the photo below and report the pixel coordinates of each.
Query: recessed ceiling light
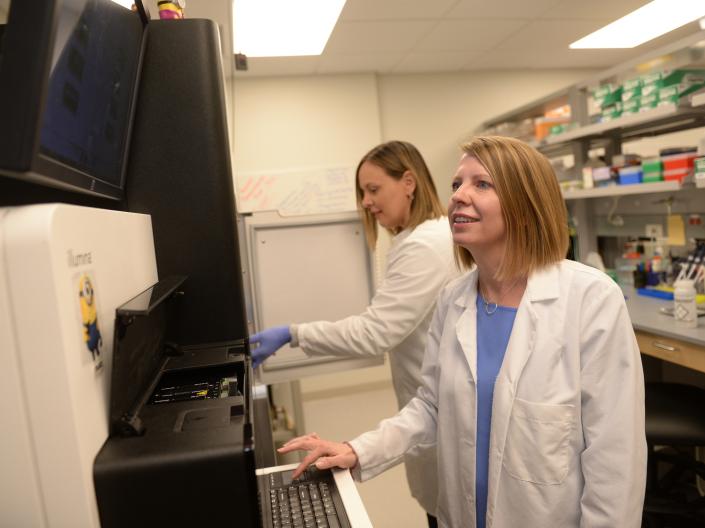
column 281, row 28
column 646, row 23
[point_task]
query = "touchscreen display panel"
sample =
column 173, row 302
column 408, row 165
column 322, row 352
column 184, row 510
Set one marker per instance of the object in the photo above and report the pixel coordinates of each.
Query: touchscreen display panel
column 95, row 60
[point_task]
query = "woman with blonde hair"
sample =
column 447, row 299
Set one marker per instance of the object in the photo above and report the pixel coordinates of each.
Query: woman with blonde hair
column 394, row 190
column 532, row 386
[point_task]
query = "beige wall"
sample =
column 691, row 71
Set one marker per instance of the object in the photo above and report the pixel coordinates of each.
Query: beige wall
column 300, row 122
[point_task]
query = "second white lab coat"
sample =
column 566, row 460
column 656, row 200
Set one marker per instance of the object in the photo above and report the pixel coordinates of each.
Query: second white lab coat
column 567, row 441
column 419, row 263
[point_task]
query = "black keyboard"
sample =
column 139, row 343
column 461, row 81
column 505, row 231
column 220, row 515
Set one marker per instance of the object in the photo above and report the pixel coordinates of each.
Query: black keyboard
column 311, row 501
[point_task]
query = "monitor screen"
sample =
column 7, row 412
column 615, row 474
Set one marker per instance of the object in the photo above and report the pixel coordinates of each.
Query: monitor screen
column 94, row 65
column 68, row 82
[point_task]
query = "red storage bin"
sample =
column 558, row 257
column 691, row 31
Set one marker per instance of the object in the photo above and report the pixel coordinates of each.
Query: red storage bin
column 678, row 166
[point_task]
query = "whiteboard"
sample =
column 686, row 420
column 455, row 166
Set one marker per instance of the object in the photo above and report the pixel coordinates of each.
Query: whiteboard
column 297, row 192
column 307, row 269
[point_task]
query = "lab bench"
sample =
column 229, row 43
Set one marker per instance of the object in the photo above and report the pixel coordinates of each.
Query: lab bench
column 660, row 337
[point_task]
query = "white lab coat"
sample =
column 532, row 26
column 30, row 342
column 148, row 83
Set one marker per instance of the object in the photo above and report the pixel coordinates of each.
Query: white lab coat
column 567, row 443
column 419, row 263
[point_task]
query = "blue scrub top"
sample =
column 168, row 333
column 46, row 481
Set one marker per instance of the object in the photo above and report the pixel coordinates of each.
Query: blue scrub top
column 493, row 331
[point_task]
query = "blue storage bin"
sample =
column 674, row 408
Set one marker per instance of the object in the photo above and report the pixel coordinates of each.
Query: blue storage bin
column 659, row 294
column 630, row 175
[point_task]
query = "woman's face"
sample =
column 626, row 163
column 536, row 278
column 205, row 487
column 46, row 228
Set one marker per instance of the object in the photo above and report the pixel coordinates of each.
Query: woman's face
column 387, row 198
column 474, row 211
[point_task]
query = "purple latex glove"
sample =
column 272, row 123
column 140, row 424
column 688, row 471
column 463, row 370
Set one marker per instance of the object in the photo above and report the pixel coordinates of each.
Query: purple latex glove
column 268, row 341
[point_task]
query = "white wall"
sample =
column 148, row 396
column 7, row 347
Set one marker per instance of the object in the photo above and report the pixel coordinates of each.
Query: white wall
column 299, row 122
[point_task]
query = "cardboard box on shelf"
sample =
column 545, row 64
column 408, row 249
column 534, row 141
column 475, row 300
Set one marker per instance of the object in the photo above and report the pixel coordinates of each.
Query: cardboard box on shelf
column 677, row 93
column 612, row 111
column 633, row 84
column 688, row 77
column 647, row 102
column 602, row 176
column 700, row 172
column 543, row 125
column 630, row 95
column 631, row 106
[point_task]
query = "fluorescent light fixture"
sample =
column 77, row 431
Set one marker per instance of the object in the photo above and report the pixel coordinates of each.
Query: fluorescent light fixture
column 283, row 28
column 646, row 23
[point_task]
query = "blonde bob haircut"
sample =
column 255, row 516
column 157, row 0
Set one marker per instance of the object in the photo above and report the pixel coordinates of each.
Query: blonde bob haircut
column 533, row 209
column 396, row 158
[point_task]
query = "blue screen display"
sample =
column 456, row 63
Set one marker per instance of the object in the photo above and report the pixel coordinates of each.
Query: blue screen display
column 91, row 87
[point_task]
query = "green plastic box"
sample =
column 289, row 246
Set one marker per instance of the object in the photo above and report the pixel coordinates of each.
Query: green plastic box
column 652, row 169
column 613, row 97
column 684, row 77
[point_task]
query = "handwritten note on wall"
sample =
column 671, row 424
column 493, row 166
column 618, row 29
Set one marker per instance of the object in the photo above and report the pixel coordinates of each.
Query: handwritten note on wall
column 299, row 192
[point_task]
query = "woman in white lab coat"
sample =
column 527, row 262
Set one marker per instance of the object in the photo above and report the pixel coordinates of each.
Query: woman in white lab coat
column 394, row 189
column 532, row 379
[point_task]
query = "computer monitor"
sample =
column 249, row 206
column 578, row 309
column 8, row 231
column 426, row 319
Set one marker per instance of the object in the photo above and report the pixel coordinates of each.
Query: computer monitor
column 80, row 59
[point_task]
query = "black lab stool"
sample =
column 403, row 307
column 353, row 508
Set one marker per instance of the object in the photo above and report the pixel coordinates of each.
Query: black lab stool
column 675, row 425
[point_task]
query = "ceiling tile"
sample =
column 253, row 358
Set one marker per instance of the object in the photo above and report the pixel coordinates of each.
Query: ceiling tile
column 469, row 35
column 501, row 8
column 566, row 58
column 392, row 35
column 436, row 35
column 437, row 61
column 356, row 10
column 543, row 35
column 264, row 66
column 594, row 9
column 672, row 37
column 358, row 62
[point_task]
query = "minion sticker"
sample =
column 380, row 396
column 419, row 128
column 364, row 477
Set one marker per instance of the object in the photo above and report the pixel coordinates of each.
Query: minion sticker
column 89, row 317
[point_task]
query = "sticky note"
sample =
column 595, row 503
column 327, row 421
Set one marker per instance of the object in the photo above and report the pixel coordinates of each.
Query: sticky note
column 676, row 230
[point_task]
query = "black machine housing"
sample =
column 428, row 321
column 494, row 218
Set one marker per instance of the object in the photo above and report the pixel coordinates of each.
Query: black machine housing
column 190, row 460
column 181, row 445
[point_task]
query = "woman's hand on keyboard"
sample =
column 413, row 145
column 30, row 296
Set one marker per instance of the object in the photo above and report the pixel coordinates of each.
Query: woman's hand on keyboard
column 323, row 453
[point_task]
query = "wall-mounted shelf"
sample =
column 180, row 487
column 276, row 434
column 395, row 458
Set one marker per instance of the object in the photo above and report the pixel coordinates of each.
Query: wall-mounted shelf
column 610, row 136
column 621, row 190
column 686, row 53
column 657, row 121
column 621, row 123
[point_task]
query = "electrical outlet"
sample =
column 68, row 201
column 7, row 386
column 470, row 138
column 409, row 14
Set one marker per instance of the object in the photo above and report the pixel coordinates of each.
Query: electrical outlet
column 654, row 230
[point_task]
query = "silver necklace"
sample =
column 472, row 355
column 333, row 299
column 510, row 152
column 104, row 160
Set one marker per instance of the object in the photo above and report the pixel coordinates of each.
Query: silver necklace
column 488, row 310
column 490, row 306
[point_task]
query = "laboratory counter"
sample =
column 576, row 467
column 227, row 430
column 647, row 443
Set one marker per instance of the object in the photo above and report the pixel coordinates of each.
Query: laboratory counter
column 659, row 336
